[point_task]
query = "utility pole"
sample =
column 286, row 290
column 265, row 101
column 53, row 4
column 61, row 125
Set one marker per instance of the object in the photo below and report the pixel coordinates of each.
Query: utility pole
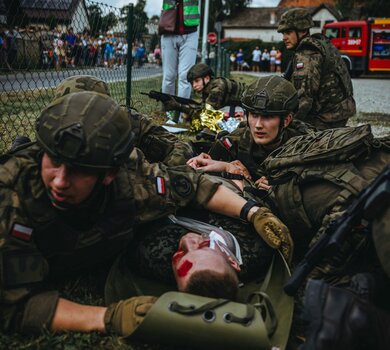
column 205, row 30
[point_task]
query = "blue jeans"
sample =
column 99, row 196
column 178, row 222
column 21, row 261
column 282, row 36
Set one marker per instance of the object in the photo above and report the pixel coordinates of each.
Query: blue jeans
column 178, row 56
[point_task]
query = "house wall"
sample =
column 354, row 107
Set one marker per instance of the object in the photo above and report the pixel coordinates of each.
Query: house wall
column 267, row 35
column 322, row 16
column 80, row 18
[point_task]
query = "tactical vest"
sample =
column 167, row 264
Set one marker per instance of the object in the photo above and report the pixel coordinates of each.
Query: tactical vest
column 335, row 84
column 58, row 241
column 326, row 155
column 190, row 11
column 239, row 145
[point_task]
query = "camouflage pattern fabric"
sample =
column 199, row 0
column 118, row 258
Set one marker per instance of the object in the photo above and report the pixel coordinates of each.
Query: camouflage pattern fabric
column 295, row 19
column 323, row 83
column 239, row 145
column 79, row 83
column 220, row 92
column 37, row 239
column 157, row 144
column 151, row 255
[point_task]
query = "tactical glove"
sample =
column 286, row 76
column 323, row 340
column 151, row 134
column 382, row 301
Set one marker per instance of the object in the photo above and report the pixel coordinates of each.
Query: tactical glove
column 124, row 316
column 273, row 232
column 172, row 105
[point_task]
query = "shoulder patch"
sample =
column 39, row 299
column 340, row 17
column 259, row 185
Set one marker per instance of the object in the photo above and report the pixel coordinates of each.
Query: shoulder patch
column 160, row 185
column 182, row 185
column 227, row 143
column 21, row 232
column 300, row 65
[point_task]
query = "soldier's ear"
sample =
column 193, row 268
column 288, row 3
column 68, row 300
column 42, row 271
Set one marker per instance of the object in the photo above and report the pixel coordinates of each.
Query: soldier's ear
column 110, row 176
column 287, row 120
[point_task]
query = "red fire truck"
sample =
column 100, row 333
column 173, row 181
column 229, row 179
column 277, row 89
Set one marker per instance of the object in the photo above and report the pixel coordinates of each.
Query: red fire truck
column 364, row 45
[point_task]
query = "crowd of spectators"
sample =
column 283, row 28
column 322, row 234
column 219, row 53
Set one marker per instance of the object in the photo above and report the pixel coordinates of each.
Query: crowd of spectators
column 67, row 49
column 261, row 61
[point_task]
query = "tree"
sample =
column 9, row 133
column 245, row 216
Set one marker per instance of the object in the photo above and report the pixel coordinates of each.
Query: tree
column 140, row 18
column 364, row 8
column 219, row 9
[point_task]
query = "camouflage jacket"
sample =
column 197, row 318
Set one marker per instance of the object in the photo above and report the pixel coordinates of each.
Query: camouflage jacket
column 220, row 92
column 323, row 83
column 36, row 239
column 156, row 143
column 239, row 145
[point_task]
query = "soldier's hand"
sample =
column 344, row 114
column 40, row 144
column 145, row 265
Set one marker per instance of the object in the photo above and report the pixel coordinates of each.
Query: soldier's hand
column 194, row 161
column 171, row 104
column 273, row 231
column 124, row 316
column 263, row 184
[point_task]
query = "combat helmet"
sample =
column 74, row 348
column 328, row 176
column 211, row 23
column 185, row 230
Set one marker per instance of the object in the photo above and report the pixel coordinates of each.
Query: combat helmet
column 298, row 19
column 78, row 83
column 85, row 129
column 199, row 70
column 271, row 95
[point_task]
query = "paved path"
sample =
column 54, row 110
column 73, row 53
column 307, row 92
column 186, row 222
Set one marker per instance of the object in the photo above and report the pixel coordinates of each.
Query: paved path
column 50, row 78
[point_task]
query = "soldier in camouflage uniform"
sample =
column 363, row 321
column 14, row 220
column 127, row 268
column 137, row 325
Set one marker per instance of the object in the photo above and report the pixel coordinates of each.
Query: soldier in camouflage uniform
column 153, row 140
column 69, row 202
column 269, row 103
column 216, row 92
column 318, row 73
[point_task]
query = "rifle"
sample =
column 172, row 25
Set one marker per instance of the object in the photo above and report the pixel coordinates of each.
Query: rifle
column 360, row 212
column 160, row 96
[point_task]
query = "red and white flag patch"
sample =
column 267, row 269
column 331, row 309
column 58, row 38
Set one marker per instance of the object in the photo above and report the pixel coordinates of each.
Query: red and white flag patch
column 300, row 65
column 227, row 143
column 160, row 185
column 22, row 232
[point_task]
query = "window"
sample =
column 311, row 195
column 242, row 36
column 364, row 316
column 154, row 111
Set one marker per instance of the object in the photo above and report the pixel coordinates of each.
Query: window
column 355, row 32
column 343, row 32
column 332, row 33
column 317, row 24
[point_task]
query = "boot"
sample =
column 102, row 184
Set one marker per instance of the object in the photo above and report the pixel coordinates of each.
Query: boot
column 338, row 320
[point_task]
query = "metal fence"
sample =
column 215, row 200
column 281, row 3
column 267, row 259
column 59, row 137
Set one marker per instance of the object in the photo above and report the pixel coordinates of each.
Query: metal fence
column 43, row 42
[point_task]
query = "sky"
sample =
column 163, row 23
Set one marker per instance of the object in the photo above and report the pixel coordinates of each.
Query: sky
column 153, row 7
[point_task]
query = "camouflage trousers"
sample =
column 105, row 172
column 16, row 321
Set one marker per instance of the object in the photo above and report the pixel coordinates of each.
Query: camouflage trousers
column 156, row 242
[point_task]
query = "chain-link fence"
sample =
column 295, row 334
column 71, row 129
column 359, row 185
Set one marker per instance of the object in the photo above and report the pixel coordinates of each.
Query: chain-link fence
column 44, row 41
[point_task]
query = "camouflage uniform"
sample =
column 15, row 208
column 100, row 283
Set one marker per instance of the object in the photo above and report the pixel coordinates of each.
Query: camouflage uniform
column 37, row 240
column 319, row 74
column 239, row 145
column 157, row 144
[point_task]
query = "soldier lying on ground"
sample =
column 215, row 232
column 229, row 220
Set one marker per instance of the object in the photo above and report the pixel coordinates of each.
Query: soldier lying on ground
column 154, row 141
column 318, row 73
column 216, row 92
column 202, row 265
column 269, row 103
column 69, row 202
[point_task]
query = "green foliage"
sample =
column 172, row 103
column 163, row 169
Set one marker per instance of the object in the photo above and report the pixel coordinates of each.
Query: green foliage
column 367, row 8
column 98, row 22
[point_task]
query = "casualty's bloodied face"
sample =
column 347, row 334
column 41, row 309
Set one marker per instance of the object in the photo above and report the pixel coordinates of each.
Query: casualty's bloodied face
column 195, row 254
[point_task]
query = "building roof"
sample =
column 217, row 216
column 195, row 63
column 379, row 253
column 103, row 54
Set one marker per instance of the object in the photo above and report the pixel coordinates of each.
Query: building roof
column 254, row 17
column 305, row 3
column 44, row 9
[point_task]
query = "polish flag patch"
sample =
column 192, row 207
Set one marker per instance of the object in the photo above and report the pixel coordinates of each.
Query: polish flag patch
column 300, row 65
column 160, row 185
column 227, row 143
column 22, row 232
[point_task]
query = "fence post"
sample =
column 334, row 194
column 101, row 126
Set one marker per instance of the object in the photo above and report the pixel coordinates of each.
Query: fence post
column 129, row 63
